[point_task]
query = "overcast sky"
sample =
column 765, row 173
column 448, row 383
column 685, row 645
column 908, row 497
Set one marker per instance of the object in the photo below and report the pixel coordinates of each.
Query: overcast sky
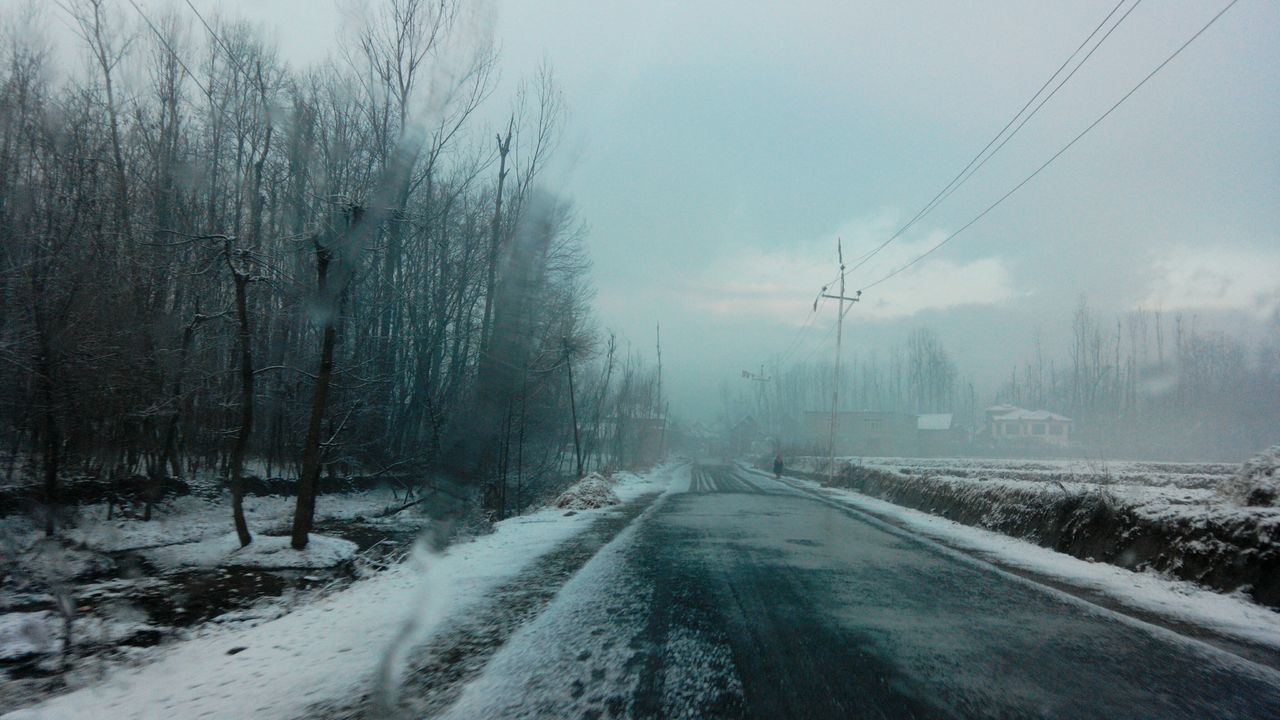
column 718, row 149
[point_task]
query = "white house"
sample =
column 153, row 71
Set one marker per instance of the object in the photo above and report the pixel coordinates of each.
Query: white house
column 1013, row 424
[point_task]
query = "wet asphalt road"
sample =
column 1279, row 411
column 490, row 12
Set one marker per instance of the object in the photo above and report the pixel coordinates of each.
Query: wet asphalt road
column 744, row 597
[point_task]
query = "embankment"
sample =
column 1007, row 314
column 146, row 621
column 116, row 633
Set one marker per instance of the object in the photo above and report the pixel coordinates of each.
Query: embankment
column 1224, row 547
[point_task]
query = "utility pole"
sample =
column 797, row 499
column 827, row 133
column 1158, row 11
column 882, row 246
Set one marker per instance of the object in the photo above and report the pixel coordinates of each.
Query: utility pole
column 762, row 398
column 662, row 438
column 835, row 385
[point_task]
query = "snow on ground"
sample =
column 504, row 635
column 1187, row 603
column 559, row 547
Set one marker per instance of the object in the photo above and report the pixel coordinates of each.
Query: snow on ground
column 257, row 671
column 1258, row 481
column 23, row 634
column 1192, row 493
column 191, row 518
column 561, row 637
column 1094, row 470
column 592, row 491
column 265, row 552
column 1230, row 616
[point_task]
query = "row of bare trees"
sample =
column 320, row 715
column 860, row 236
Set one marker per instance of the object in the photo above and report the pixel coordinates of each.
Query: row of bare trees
column 918, row 376
column 213, row 262
column 1147, row 384
column 1154, row 384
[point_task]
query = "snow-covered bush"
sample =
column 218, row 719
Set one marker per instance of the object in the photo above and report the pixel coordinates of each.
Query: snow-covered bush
column 591, row 492
column 1258, row 481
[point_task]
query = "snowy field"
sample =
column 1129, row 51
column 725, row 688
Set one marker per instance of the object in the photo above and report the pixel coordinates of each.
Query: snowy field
column 1156, row 489
column 1184, row 520
column 247, row 665
column 1097, row 471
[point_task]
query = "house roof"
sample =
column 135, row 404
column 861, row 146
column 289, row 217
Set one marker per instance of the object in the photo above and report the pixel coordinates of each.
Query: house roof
column 933, row 421
column 1020, row 414
column 1003, row 408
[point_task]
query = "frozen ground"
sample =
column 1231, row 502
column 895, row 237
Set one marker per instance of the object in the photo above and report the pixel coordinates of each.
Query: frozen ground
column 119, row 587
column 1177, row 519
column 266, row 551
column 1097, row 471
column 592, row 491
column 252, row 668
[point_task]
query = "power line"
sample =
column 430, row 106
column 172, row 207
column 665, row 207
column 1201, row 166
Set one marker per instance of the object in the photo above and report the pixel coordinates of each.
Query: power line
column 1041, row 103
column 957, row 180
column 172, row 52
column 795, row 339
column 1064, row 148
column 969, row 168
column 804, row 327
column 218, row 39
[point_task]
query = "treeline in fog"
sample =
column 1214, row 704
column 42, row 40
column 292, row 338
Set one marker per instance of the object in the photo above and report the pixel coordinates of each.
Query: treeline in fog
column 213, row 262
column 1144, row 384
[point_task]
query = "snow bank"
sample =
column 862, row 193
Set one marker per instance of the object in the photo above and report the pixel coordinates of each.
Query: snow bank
column 267, row 552
column 29, row 634
column 251, row 670
column 1187, row 533
column 591, row 492
column 191, row 518
column 1258, row 481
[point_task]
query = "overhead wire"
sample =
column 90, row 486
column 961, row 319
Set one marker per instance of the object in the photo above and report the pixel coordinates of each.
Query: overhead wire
column 218, row 39
column 1041, row 103
column 795, row 342
column 961, row 176
column 169, row 47
column 1060, row 152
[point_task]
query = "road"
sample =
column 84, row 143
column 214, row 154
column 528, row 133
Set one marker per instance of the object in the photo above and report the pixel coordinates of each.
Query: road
column 748, row 597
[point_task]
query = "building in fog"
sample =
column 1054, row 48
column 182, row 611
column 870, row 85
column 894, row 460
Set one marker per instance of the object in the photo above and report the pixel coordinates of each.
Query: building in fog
column 744, row 435
column 937, row 435
column 864, row 433
column 1013, row 426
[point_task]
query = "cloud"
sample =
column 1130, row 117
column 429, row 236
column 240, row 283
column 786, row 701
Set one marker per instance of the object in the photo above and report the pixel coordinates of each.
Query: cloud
column 1219, row 277
column 781, row 284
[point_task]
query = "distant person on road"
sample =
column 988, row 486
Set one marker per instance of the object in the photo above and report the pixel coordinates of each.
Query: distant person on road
column 777, row 466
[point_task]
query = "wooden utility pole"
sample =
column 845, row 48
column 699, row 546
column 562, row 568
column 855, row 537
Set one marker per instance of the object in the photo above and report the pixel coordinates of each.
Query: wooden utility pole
column 835, row 384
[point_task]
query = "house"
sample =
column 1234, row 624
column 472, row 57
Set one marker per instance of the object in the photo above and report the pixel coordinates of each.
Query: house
column 997, row 410
column 1011, row 425
column 743, row 435
column 864, row 433
column 937, row 435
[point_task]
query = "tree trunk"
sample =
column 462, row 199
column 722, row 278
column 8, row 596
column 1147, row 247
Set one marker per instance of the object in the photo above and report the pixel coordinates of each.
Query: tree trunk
column 573, row 408
column 246, row 407
column 504, row 146
column 308, row 482
column 49, row 431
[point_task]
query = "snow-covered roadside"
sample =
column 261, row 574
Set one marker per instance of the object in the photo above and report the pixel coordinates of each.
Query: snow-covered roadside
column 1196, row 534
column 266, row 551
column 193, row 519
column 329, row 649
column 1143, row 591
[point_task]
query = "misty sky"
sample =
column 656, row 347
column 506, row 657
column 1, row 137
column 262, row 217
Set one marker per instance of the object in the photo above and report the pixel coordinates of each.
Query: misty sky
column 717, row 149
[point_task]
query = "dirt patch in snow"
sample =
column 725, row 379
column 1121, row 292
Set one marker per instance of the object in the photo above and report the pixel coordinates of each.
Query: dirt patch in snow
column 591, row 492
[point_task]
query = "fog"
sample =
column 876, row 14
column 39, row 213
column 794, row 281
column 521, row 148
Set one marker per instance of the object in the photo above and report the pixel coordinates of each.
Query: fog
column 714, row 153
column 639, row 358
